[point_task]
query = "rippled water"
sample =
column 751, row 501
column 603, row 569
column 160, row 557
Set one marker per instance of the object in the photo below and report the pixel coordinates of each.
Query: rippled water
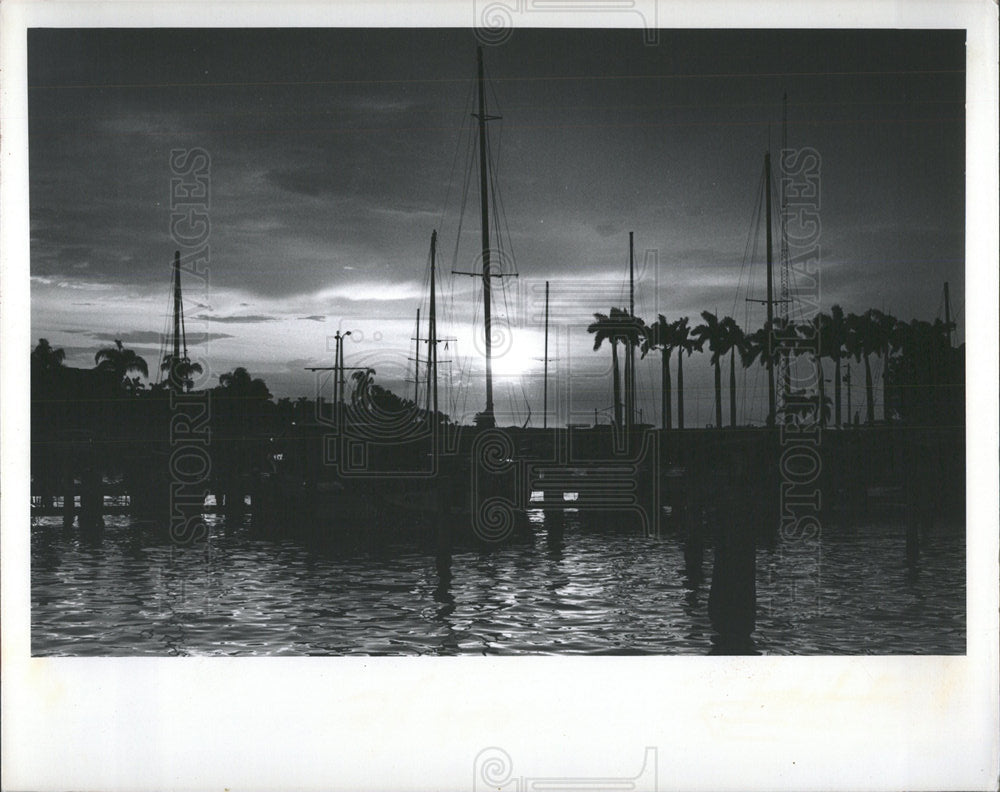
column 599, row 592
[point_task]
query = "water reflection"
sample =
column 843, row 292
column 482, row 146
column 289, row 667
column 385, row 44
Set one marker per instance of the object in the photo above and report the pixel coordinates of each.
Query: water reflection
column 573, row 588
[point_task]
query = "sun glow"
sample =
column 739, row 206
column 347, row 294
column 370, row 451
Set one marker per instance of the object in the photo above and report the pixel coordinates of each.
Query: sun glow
column 516, row 360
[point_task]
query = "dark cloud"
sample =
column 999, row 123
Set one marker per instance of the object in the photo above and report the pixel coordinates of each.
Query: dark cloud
column 147, row 336
column 334, row 153
column 237, row 319
column 82, row 355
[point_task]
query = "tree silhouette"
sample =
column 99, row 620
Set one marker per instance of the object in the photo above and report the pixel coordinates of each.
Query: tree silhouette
column 837, row 337
column 133, row 386
column 632, row 332
column 363, row 379
column 713, row 333
column 884, row 327
column 684, row 341
column 807, row 407
column 119, row 362
column 239, row 381
column 662, row 335
column 816, row 336
column 610, row 329
column 242, row 397
column 869, row 334
column 179, row 372
column 733, row 340
column 45, row 358
column 924, row 379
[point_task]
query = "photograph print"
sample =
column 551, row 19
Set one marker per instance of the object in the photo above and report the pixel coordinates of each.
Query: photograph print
column 357, row 341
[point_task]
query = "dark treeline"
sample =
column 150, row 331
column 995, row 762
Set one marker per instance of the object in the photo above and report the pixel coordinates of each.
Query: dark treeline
column 108, row 419
column 111, row 400
column 924, row 375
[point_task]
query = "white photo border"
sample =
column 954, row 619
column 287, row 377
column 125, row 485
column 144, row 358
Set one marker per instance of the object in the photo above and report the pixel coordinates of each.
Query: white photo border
column 346, row 723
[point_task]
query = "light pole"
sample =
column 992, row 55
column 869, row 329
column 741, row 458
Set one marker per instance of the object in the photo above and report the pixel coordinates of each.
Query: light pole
column 338, row 371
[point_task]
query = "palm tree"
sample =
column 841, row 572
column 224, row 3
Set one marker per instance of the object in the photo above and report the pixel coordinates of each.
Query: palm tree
column 241, row 398
column 45, row 358
column 713, row 333
column 120, row 361
column 662, row 335
column 608, row 328
column 884, row 327
column 363, row 379
column 684, row 341
column 869, row 334
column 754, row 347
column 837, row 336
column 239, row 382
column 815, row 336
column 180, row 371
column 757, row 344
column 922, row 378
column 134, row 385
column 733, row 340
column 633, row 329
column 808, row 406
column 856, row 347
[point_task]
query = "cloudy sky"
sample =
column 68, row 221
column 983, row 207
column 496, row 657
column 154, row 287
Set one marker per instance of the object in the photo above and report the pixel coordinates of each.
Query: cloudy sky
column 334, row 153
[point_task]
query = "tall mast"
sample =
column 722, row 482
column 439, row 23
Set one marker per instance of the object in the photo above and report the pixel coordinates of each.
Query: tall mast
column 630, row 406
column 545, row 400
column 177, row 305
column 488, row 419
column 432, row 391
column 173, row 374
column 416, row 365
column 770, row 293
column 631, row 274
column 336, row 377
column 786, row 374
column 343, row 384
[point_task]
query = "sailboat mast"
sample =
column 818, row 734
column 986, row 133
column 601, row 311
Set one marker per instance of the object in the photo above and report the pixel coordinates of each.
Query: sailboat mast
column 545, row 398
column 488, row 419
column 631, row 347
column 174, row 373
column 786, row 374
column 342, row 397
column 631, row 274
column 432, row 391
column 770, row 293
column 416, row 365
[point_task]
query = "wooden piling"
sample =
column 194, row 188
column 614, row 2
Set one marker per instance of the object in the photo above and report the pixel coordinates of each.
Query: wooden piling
column 732, row 600
column 555, row 526
column 69, row 498
column 91, row 499
column 694, row 551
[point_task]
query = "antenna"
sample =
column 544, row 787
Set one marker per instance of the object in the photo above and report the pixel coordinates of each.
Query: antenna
column 545, row 402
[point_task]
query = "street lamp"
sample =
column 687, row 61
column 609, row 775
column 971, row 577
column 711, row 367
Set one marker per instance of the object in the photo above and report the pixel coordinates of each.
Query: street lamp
column 338, row 365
